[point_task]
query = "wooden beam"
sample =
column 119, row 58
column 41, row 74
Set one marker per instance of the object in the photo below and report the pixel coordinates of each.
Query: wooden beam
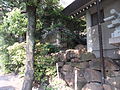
column 83, row 7
column 100, row 41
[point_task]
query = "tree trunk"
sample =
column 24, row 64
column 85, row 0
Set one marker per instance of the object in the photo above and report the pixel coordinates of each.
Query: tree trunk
column 29, row 72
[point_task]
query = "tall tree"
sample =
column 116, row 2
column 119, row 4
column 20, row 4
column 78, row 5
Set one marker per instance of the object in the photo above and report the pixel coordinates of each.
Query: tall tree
column 29, row 73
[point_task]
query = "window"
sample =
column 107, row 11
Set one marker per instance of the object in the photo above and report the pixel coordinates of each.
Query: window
column 94, row 18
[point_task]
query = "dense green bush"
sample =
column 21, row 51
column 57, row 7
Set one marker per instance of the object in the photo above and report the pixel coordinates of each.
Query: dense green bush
column 44, row 63
column 16, row 58
column 3, row 54
column 13, row 58
column 15, row 23
column 12, row 29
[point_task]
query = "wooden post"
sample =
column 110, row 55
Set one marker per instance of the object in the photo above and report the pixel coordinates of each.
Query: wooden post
column 57, row 66
column 76, row 71
column 100, row 41
column 57, row 71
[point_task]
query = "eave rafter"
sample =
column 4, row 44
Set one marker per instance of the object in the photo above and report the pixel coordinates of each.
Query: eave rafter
column 81, row 7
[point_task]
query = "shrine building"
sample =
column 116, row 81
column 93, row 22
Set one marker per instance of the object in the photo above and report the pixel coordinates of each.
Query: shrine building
column 90, row 9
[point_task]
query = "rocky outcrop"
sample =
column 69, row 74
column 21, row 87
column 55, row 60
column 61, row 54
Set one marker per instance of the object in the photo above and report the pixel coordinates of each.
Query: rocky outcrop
column 89, row 74
column 93, row 86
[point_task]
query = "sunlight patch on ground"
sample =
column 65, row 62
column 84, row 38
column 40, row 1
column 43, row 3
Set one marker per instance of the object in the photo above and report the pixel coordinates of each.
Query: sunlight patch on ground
column 10, row 82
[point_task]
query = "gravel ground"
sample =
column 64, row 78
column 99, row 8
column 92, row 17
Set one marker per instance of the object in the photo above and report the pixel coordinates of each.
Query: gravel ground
column 10, row 82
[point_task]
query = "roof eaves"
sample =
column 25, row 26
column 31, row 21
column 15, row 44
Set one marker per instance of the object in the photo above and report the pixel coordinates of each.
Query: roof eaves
column 76, row 6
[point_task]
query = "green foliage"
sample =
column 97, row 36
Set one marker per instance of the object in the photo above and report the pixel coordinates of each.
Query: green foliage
column 15, row 23
column 50, row 88
column 13, row 27
column 44, row 63
column 51, row 17
column 73, row 24
column 13, row 58
column 4, row 57
column 16, row 58
column 32, row 2
column 44, row 69
column 68, row 38
column 45, row 49
column 8, row 5
column 3, row 52
column 47, row 12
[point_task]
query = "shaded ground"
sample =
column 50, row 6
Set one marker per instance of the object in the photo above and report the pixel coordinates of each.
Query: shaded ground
column 10, row 82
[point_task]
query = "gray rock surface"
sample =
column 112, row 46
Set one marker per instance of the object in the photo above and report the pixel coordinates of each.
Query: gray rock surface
column 10, row 82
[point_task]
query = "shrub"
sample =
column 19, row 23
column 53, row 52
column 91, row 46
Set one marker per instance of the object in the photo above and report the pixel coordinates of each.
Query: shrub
column 4, row 57
column 44, row 63
column 16, row 57
column 15, row 23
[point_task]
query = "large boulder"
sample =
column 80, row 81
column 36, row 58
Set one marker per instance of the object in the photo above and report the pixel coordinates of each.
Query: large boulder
column 81, row 65
column 95, row 64
column 81, row 84
column 113, row 81
column 75, row 60
column 112, row 73
column 92, row 75
column 81, row 74
column 72, row 53
column 68, row 74
column 60, row 64
column 81, row 48
column 81, row 81
column 109, row 64
column 69, row 78
column 67, row 68
column 60, row 56
column 107, row 87
column 87, row 56
column 93, row 86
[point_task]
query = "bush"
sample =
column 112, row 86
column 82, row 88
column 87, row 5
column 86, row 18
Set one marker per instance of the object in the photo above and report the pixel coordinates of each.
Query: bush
column 4, row 57
column 12, row 30
column 44, row 63
column 16, row 58
column 15, row 23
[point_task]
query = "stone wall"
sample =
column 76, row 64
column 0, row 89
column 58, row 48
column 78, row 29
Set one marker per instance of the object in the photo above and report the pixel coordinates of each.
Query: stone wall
column 89, row 76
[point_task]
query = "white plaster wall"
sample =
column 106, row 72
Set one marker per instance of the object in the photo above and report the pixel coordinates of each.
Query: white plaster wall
column 92, row 32
column 89, row 35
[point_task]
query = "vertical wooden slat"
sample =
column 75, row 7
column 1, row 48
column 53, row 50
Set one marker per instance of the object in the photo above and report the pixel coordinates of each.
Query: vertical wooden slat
column 76, row 71
column 100, row 41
